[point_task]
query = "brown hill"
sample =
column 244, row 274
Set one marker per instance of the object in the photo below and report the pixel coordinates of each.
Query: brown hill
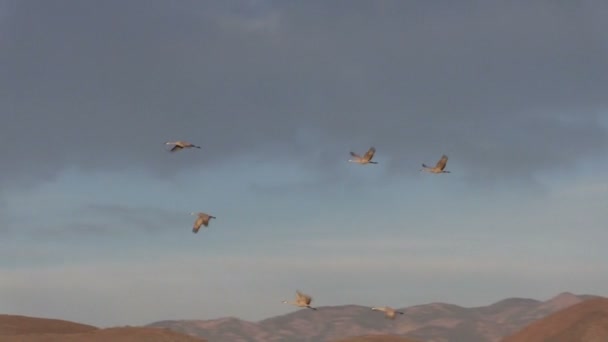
column 126, row 334
column 376, row 338
column 16, row 325
column 436, row 322
column 31, row 329
column 582, row 322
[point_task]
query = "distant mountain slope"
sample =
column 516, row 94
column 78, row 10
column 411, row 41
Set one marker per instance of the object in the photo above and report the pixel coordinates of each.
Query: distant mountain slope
column 377, row 338
column 15, row 328
column 583, row 322
column 435, row 322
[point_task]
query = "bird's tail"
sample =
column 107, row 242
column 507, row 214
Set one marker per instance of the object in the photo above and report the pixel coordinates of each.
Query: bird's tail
column 373, row 162
column 399, row 312
column 212, row 217
column 310, row 307
column 197, row 146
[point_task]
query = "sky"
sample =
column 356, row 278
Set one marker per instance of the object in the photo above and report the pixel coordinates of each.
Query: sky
column 95, row 221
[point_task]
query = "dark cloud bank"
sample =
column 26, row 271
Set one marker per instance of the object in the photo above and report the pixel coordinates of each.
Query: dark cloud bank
column 506, row 89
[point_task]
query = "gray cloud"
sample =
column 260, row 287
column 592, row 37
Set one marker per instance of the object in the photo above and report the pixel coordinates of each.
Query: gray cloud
column 147, row 219
column 97, row 220
column 506, row 90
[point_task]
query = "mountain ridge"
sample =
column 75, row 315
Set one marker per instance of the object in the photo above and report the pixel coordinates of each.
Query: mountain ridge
column 432, row 322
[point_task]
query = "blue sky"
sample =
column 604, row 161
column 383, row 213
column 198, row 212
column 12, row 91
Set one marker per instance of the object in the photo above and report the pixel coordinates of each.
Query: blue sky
column 94, row 212
column 97, row 247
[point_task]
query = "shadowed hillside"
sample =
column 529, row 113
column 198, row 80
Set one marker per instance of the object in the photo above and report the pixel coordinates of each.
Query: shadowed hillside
column 377, row 338
column 583, row 322
column 31, row 329
column 436, row 322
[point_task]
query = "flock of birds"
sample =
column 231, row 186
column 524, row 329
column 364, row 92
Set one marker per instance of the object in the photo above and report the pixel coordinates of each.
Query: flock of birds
column 304, row 300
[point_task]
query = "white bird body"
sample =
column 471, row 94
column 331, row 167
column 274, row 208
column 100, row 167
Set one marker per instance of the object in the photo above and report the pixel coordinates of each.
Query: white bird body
column 388, row 311
column 302, row 300
column 439, row 167
column 366, row 159
column 202, row 220
column 180, row 144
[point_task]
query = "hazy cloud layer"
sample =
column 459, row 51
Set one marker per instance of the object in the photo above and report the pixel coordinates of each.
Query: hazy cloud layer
column 96, row 301
column 504, row 89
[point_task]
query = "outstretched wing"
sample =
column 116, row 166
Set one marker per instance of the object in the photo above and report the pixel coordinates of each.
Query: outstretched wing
column 442, row 162
column 301, row 297
column 369, row 154
column 197, row 224
column 175, row 148
column 355, row 155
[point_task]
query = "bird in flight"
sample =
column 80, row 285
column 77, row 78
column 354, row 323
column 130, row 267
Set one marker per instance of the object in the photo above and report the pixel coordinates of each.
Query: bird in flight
column 366, row 159
column 178, row 145
column 202, row 220
column 389, row 312
column 439, row 167
column 302, row 300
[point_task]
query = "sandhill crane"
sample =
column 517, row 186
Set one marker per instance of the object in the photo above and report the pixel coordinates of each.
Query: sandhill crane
column 438, row 167
column 388, row 311
column 178, row 145
column 366, row 159
column 302, row 301
column 201, row 220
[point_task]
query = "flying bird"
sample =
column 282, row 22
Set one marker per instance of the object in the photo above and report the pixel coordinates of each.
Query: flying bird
column 202, row 220
column 178, row 145
column 366, row 159
column 389, row 312
column 439, row 167
column 302, row 301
